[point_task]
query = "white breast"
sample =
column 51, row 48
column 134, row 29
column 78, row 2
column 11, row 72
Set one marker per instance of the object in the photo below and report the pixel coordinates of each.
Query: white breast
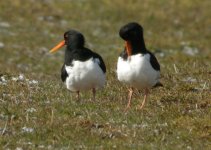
column 85, row 75
column 137, row 71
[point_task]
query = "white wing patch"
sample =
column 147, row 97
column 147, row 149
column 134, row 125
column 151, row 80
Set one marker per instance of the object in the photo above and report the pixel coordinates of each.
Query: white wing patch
column 96, row 60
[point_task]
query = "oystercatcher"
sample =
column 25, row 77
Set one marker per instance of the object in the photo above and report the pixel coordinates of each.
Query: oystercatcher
column 137, row 66
column 83, row 69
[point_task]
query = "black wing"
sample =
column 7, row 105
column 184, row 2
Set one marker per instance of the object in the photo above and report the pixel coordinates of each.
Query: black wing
column 102, row 64
column 83, row 55
column 64, row 74
column 87, row 54
column 154, row 62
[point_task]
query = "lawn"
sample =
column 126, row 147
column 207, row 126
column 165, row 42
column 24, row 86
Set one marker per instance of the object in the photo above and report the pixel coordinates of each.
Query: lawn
column 38, row 112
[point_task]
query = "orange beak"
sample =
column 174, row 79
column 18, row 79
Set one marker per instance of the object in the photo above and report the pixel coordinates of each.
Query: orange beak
column 58, row 46
column 128, row 48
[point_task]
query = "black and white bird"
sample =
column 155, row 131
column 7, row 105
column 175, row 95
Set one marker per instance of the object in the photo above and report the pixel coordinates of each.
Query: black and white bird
column 137, row 66
column 83, row 69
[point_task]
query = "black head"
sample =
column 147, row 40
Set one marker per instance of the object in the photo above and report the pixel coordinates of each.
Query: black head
column 74, row 39
column 131, row 31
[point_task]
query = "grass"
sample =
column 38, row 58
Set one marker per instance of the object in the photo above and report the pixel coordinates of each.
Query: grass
column 37, row 112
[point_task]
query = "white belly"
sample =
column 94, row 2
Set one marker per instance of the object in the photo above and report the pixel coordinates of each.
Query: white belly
column 84, row 75
column 137, row 71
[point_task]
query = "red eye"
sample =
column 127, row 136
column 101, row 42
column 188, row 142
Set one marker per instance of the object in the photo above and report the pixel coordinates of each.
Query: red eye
column 65, row 35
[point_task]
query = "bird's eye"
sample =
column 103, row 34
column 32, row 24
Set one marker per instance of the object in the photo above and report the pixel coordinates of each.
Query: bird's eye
column 65, row 36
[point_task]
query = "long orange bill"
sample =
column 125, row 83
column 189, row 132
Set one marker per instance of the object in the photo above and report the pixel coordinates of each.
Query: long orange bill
column 128, row 48
column 58, row 46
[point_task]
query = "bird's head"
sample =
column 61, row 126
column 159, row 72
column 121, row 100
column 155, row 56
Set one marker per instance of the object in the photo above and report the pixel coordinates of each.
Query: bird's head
column 131, row 31
column 72, row 38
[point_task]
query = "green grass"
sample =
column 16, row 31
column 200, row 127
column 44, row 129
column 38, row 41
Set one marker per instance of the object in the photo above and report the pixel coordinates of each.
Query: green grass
column 45, row 115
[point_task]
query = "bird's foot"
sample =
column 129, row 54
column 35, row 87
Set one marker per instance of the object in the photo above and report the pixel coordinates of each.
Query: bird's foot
column 127, row 108
column 139, row 107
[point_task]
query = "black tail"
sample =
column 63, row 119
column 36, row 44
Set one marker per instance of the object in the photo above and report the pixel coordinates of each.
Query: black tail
column 158, row 84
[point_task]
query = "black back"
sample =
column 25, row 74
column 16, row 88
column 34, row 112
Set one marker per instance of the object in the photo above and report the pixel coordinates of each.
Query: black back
column 83, row 54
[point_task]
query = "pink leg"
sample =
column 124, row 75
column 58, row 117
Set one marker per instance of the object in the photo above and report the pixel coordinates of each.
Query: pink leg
column 129, row 98
column 145, row 97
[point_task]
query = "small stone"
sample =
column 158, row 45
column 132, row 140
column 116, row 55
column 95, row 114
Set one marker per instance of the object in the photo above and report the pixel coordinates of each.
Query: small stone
column 1, row 45
column 4, row 24
column 191, row 51
column 27, row 130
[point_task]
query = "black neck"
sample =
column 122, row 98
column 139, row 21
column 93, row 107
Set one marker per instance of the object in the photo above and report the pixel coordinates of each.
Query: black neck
column 138, row 46
column 68, row 55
